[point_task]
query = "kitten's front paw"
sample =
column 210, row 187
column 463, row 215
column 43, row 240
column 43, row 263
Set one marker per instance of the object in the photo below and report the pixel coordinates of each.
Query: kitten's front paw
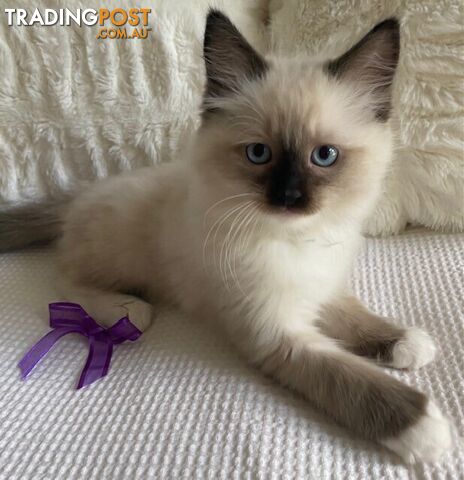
column 414, row 350
column 425, row 441
column 139, row 312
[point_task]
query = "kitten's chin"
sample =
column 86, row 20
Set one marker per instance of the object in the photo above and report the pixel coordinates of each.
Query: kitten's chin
column 284, row 219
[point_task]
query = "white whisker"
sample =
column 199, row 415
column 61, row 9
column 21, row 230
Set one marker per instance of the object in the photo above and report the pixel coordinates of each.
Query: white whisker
column 239, row 250
column 226, row 242
column 225, row 200
column 217, row 225
column 235, row 240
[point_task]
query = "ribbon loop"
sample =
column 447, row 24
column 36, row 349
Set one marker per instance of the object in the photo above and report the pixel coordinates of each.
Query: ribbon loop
column 67, row 318
column 66, row 314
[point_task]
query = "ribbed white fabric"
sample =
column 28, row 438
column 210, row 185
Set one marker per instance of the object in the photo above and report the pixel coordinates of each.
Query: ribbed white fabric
column 179, row 404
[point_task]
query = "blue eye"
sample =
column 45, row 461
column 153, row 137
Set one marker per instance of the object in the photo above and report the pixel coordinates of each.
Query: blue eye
column 324, row 156
column 258, row 153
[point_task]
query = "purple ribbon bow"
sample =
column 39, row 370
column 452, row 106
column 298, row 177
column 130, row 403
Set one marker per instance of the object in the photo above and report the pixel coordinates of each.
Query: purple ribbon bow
column 72, row 318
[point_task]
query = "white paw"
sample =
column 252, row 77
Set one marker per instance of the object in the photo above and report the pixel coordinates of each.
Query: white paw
column 108, row 308
column 425, row 441
column 415, row 350
column 139, row 312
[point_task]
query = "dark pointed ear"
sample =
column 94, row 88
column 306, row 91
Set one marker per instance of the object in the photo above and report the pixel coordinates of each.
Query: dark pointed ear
column 372, row 63
column 229, row 58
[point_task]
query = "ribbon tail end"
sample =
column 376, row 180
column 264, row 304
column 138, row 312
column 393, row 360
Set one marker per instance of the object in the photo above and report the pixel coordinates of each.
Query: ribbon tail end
column 25, row 368
column 24, row 373
column 86, row 380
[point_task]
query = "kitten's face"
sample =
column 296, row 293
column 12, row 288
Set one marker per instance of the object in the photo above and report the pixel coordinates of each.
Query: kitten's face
column 301, row 137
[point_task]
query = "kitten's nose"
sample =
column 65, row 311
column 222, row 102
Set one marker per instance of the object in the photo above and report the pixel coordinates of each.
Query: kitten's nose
column 291, row 196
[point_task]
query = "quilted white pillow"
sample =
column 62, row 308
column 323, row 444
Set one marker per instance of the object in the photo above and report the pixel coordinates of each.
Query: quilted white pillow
column 426, row 183
column 75, row 108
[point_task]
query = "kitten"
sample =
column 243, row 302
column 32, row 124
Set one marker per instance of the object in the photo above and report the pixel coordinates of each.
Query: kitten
column 256, row 229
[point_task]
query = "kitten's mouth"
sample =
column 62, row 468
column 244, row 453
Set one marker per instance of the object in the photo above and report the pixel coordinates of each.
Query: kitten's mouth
column 291, row 211
column 286, row 211
column 282, row 211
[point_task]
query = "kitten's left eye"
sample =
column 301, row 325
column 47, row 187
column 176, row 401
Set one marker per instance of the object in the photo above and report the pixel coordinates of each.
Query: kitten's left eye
column 324, row 156
column 258, row 153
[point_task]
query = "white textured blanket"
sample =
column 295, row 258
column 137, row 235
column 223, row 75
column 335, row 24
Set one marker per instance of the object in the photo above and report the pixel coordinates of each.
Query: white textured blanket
column 179, row 404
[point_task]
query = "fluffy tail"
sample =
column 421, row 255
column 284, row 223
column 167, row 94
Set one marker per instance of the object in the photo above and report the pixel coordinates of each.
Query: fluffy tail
column 37, row 223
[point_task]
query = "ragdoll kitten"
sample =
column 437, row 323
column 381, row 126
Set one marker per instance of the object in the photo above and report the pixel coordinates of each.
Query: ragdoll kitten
column 256, row 229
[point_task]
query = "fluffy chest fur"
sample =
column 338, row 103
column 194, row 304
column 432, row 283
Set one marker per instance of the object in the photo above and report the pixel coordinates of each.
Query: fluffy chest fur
column 268, row 279
column 309, row 270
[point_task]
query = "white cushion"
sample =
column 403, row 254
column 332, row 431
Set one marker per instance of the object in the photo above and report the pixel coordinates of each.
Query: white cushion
column 426, row 184
column 74, row 108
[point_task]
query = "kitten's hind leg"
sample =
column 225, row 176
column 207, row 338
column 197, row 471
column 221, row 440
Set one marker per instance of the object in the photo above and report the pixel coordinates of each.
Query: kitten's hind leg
column 369, row 335
column 107, row 307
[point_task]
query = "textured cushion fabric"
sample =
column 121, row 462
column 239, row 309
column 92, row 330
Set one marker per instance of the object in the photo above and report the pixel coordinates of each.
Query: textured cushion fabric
column 180, row 404
column 75, row 108
column 426, row 183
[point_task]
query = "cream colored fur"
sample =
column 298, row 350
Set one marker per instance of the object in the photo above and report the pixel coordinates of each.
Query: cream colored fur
column 188, row 224
column 199, row 234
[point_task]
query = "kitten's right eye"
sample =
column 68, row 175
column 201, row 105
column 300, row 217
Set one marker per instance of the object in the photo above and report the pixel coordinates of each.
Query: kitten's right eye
column 258, row 153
